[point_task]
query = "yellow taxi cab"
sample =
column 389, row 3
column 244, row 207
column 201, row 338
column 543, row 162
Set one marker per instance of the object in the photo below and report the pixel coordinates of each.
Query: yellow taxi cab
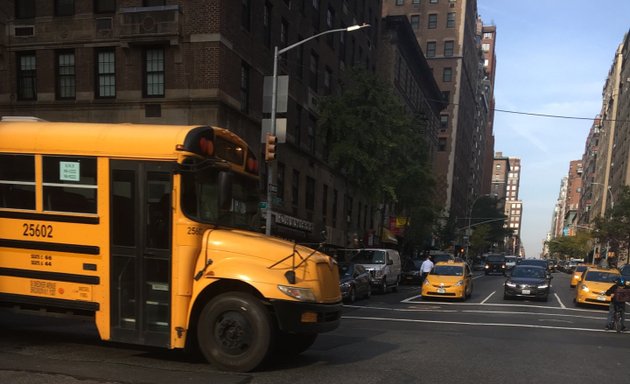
column 592, row 287
column 448, row 279
column 577, row 273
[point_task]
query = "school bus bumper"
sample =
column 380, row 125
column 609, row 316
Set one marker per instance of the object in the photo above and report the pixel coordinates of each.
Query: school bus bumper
column 303, row 317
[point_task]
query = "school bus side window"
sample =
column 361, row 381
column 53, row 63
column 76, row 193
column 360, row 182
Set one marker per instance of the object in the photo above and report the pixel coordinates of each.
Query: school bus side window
column 69, row 184
column 17, row 181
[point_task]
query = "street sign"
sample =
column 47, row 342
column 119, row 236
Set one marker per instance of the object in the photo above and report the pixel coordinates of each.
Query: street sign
column 282, row 94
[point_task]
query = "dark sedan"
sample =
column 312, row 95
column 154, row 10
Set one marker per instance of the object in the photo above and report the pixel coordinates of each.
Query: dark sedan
column 411, row 270
column 354, row 281
column 527, row 281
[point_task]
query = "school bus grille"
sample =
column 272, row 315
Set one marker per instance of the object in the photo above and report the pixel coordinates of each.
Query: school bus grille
column 330, row 286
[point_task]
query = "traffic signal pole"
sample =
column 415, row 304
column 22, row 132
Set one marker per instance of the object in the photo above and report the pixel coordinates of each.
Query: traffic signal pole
column 274, row 91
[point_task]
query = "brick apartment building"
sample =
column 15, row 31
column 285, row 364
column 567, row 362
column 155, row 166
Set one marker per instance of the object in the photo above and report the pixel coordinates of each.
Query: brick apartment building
column 198, row 62
column 449, row 34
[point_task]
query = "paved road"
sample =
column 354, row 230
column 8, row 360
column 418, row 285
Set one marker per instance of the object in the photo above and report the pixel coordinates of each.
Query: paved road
column 391, row 338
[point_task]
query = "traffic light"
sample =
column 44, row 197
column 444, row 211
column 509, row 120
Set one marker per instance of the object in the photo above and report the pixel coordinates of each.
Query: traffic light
column 270, row 147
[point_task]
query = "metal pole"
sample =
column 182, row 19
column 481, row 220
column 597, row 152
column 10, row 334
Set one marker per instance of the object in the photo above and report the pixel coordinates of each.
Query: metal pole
column 270, row 164
column 274, row 95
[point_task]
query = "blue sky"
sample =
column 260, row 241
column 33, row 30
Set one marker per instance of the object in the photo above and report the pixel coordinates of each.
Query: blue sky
column 553, row 57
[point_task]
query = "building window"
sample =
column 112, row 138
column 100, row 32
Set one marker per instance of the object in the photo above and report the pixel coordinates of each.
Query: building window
column 267, row 25
column 280, row 181
column 335, row 202
column 104, row 6
column 154, row 72
column 66, row 77
column 300, row 59
column 315, row 16
column 105, row 73
column 446, row 96
column 311, row 134
column 487, row 36
column 443, row 122
column 244, row 87
column 448, row 48
column 64, row 7
column 441, row 144
column 431, row 48
column 324, row 203
column 313, row 77
column 433, row 1
column 330, row 24
column 433, row 19
column 415, row 2
column 450, row 20
column 327, row 81
column 414, row 20
column 24, row 9
column 310, row 193
column 153, row 3
column 447, row 74
column 26, row 76
column 400, row 2
column 246, row 14
column 295, row 188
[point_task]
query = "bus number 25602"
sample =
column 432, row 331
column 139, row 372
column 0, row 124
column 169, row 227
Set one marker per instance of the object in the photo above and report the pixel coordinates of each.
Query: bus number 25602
column 37, row 230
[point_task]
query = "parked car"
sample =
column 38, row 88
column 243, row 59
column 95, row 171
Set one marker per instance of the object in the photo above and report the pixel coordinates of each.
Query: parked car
column 495, row 264
column 383, row 265
column 411, row 270
column 354, row 282
column 527, row 281
column 592, row 287
column 450, row 279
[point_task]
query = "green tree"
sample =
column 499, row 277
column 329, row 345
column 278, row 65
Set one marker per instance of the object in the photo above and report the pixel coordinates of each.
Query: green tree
column 614, row 227
column 375, row 143
column 565, row 247
column 488, row 219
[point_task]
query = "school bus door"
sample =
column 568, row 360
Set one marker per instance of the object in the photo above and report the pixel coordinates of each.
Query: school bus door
column 140, row 260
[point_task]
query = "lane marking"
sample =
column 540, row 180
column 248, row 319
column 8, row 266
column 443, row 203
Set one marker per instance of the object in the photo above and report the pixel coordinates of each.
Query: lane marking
column 487, row 298
column 507, row 325
column 559, row 301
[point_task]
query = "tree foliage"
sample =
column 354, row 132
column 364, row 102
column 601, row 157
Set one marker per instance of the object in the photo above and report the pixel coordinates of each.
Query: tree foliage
column 380, row 148
column 565, row 247
column 487, row 222
column 614, row 227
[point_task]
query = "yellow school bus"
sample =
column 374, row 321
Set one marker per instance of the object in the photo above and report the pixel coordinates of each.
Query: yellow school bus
column 151, row 229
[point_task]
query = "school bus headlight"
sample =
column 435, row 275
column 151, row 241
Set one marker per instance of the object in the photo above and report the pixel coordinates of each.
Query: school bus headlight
column 302, row 294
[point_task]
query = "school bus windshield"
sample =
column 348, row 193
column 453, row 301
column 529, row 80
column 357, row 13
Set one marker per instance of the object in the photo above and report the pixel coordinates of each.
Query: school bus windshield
column 214, row 195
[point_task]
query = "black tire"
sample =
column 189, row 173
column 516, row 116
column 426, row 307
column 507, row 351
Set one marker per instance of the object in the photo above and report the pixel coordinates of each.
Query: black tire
column 291, row 344
column 395, row 287
column 352, row 295
column 384, row 285
column 234, row 332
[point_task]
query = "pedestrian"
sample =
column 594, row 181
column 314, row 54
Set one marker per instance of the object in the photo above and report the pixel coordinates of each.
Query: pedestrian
column 425, row 268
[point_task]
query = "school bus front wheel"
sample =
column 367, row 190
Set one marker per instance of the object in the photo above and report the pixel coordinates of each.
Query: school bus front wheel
column 234, row 332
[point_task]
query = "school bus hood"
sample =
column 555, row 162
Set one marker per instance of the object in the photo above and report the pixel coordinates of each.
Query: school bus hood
column 253, row 244
column 264, row 261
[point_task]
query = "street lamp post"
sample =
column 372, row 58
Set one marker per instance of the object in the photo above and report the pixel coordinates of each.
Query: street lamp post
column 469, row 227
column 274, row 91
